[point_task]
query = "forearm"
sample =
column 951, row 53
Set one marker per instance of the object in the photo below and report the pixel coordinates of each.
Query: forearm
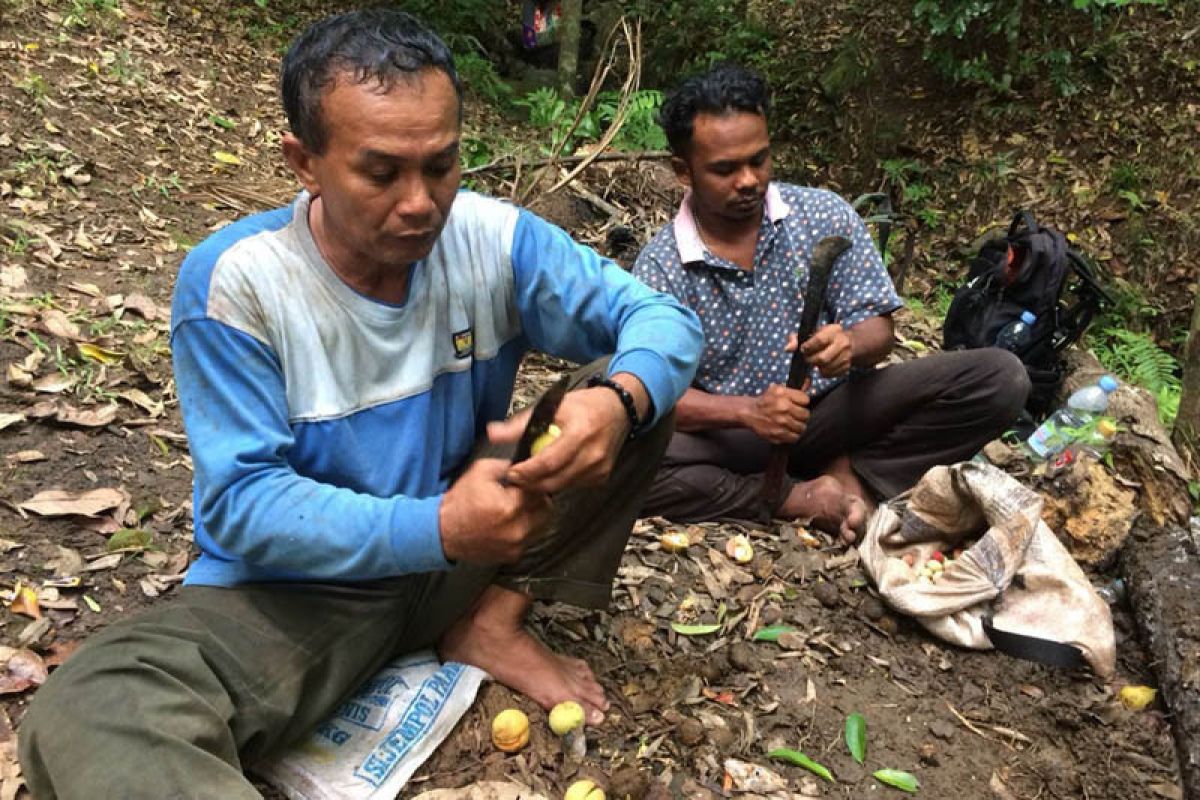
column 700, row 411
column 871, row 341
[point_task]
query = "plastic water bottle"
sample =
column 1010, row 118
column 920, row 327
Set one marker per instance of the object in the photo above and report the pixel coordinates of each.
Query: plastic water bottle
column 1066, row 424
column 1093, row 445
column 1016, row 335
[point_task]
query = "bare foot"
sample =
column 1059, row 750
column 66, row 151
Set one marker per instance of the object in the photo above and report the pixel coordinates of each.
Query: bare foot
column 829, row 506
column 492, row 637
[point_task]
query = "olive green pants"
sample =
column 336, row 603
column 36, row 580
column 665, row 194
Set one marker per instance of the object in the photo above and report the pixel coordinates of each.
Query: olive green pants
column 173, row 703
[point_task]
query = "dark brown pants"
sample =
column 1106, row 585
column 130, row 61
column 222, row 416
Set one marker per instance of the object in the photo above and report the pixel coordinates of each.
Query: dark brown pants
column 894, row 423
column 172, row 703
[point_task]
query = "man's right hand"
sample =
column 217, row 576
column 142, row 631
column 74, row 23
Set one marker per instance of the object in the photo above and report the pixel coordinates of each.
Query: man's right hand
column 484, row 521
column 779, row 415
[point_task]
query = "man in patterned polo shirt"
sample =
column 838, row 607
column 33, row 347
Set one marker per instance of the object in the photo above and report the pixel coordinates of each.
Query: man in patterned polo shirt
column 737, row 253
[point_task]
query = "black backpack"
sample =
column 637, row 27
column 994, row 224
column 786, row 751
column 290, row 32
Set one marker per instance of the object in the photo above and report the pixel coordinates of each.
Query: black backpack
column 1031, row 268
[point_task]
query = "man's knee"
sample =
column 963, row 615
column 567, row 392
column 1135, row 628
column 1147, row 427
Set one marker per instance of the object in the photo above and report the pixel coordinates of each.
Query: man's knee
column 1003, row 381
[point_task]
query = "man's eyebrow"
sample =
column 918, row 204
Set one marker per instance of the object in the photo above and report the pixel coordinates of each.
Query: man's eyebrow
column 382, row 155
column 733, row 162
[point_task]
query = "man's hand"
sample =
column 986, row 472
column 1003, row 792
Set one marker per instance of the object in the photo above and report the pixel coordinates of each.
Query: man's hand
column 779, row 415
column 593, row 425
column 484, row 521
column 830, row 350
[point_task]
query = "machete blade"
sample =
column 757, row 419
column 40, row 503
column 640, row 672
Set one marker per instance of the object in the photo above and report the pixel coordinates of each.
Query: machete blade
column 543, row 414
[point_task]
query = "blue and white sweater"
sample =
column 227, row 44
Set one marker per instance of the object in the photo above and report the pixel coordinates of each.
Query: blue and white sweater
column 325, row 426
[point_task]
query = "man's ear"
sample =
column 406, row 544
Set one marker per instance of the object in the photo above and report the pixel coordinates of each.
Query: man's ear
column 302, row 162
column 683, row 172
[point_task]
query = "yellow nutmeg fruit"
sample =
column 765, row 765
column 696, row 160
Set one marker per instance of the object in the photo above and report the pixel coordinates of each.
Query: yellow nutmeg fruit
column 675, row 541
column 543, row 441
column 510, row 730
column 739, row 549
column 1136, row 698
column 566, row 717
column 584, row 790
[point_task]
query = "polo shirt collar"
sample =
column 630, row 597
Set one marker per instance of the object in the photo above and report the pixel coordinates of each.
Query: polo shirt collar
column 687, row 232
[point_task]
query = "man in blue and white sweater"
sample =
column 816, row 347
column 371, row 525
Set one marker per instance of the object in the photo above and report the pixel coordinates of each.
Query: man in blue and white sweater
column 344, row 366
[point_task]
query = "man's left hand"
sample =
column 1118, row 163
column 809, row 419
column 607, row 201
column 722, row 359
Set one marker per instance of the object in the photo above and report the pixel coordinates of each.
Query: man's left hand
column 830, row 350
column 593, row 425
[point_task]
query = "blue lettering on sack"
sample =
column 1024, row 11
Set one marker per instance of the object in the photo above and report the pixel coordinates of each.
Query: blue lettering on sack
column 419, row 716
column 333, row 733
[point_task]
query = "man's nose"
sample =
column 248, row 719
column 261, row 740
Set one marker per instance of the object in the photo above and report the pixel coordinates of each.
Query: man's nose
column 414, row 200
column 747, row 178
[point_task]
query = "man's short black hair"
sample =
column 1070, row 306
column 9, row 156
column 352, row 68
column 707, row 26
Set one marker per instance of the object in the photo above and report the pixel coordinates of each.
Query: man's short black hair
column 722, row 89
column 377, row 44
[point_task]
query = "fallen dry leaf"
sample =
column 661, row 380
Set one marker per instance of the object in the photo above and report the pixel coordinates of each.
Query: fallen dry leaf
column 87, row 418
column 56, row 323
column 68, row 562
column 58, row 652
column 59, row 502
column 101, row 355
column 143, row 401
column 143, row 306
column 8, row 420
column 25, row 668
column 13, row 277
column 26, row 602
column 26, row 456
column 54, row 383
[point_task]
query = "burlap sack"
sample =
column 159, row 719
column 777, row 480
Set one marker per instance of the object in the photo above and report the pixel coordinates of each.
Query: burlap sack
column 1017, row 572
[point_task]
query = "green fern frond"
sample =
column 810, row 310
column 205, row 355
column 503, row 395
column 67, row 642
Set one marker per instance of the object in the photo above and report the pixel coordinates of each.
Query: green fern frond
column 1136, row 358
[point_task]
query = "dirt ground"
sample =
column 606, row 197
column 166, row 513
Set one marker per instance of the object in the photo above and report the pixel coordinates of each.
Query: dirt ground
column 126, row 138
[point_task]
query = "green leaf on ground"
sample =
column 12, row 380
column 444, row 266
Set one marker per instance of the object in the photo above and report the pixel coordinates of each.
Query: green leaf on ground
column 694, row 630
column 898, row 779
column 856, row 736
column 129, row 539
column 771, row 633
column 801, row 760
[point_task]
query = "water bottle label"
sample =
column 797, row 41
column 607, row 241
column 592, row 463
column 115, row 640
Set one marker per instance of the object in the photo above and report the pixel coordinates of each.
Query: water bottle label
column 1044, row 441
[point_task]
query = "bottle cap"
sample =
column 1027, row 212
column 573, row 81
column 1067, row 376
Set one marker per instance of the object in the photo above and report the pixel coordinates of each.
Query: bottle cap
column 1106, row 428
column 1028, row 317
column 1108, row 383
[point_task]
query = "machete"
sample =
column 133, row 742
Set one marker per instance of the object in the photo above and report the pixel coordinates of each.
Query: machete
column 543, row 414
column 821, row 264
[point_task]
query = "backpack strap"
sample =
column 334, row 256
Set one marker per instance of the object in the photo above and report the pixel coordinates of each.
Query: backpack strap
column 1023, row 219
column 1034, row 648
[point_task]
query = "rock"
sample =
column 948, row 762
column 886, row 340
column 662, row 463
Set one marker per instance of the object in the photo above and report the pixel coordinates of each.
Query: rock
column 827, row 594
column 690, row 732
column 770, row 614
column 872, row 609
column 942, row 729
column 743, row 657
column 721, row 736
column 713, row 668
column 628, row 783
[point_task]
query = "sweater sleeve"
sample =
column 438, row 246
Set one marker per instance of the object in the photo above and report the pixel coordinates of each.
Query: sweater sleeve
column 577, row 305
column 251, row 504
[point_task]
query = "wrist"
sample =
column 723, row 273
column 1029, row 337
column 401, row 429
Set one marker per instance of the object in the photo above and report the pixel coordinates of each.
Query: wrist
column 629, row 412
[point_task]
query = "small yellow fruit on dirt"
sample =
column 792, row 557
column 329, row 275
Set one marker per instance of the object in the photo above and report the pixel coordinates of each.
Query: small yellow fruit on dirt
column 543, row 441
column 739, row 549
column 584, row 790
column 510, row 730
column 675, row 541
column 566, row 717
column 1136, row 698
